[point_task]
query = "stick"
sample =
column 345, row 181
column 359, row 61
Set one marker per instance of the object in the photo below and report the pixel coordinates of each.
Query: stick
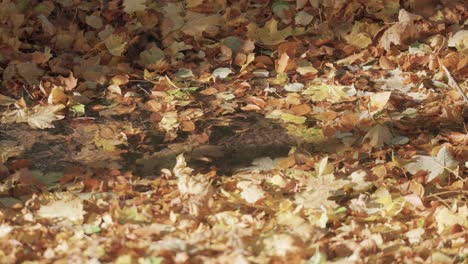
column 454, row 83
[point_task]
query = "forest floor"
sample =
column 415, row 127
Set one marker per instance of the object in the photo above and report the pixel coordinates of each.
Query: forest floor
column 244, row 132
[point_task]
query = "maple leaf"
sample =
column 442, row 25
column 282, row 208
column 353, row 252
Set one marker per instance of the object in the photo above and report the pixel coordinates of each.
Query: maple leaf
column 435, row 166
column 108, row 138
column 378, row 136
column 396, row 81
column 319, row 189
column 446, row 218
column 42, row 117
column 173, row 19
column 132, row 6
column 332, row 93
column 39, row 117
column 57, row 95
column 270, row 35
column 198, row 23
column 169, row 121
column 115, row 44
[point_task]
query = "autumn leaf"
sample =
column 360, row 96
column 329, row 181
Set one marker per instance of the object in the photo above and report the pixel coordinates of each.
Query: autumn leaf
column 221, row 73
column 30, row 72
column 378, row 101
column 42, row 117
column 460, row 41
column 115, row 44
column 379, row 136
column 437, row 167
column 358, row 37
column 39, row 117
column 270, row 34
column 174, row 109
column 6, row 101
column 332, row 93
column 197, row 24
column 250, row 191
column 68, row 208
column 132, row 6
column 446, row 218
column 401, row 32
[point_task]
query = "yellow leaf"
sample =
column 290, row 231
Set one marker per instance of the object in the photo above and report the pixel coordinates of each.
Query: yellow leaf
column 131, row 6
column 57, row 95
column 270, row 35
column 379, row 100
column 115, row 44
column 282, row 63
column 293, row 118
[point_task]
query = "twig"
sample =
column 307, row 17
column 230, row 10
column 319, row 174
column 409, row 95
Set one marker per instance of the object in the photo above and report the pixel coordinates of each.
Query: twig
column 27, row 91
column 447, row 192
column 454, row 83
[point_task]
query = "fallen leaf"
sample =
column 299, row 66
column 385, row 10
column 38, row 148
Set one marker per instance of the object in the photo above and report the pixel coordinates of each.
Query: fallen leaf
column 435, row 166
column 221, row 73
column 41, row 117
column 250, row 191
column 115, row 44
column 132, row 6
column 70, row 208
column 30, row 72
column 379, row 135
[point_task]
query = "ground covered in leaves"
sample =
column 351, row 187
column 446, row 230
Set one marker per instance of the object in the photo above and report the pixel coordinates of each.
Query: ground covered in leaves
column 233, row 131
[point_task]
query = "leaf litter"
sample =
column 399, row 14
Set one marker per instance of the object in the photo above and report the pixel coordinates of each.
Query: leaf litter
column 243, row 131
